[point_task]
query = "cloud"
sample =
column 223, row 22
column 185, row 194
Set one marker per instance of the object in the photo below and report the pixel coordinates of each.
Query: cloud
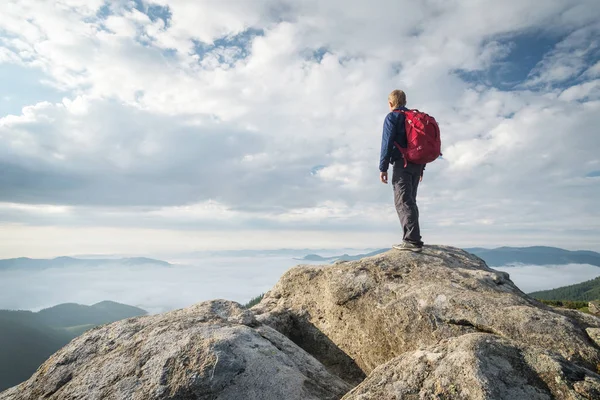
column 569, row 59
column 153, row 288
column 99, row 153
column 267, row 115
column 587, row 90
column 158, row 289
column 533, row 278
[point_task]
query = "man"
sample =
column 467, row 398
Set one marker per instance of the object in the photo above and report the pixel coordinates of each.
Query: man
column 405, row 179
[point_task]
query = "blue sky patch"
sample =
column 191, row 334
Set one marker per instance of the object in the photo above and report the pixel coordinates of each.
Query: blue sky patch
column 315, row 170
column 526, row 51
column 240, row 42
column 153, row 11
column 156, row 12
column 593, row 174
column 241, row 39
column 104, row 11
column 23, row 87
column 319, row 53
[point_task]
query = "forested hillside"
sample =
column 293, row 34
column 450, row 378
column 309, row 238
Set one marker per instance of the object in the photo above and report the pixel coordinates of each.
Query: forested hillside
column 27, row 339
column 585, row 291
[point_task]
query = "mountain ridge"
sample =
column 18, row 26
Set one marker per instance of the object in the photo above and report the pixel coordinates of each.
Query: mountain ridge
column 500, row 256
column 344, row 257
column 66, row 261
column 535, row 255
column 28, row 338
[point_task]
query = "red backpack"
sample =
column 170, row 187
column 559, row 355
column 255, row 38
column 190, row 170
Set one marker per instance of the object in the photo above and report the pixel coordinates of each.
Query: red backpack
column 423, row 137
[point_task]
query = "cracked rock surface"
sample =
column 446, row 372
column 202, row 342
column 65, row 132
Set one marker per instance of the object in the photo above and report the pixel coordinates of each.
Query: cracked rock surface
column 355, row 316
column 478, row 366
column 214, row 350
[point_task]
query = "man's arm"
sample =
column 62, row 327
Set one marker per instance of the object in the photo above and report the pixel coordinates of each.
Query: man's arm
column 387, row 142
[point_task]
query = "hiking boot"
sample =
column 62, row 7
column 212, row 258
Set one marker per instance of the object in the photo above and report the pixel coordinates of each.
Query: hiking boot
column 407, row 246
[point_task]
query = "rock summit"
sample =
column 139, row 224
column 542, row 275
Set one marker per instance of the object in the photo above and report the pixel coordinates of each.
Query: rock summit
column 434, row 325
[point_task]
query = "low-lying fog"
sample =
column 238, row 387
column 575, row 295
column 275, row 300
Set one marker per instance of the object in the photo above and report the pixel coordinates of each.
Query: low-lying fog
column 532, row 278
column 157, row 288
column 151, row 287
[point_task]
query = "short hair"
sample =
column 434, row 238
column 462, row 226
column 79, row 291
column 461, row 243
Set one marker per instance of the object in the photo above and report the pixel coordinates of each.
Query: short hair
column 397, row 98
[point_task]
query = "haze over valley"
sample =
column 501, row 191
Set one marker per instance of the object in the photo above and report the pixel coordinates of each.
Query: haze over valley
column 157, row 286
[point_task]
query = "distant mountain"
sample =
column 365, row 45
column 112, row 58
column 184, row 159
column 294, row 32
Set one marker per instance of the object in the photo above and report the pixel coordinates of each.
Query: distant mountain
column 58, row 262
column 265, row 252
column 537, row 255
column 27, row 339
column 71, row 314
column 343, row 257
column 585, row 291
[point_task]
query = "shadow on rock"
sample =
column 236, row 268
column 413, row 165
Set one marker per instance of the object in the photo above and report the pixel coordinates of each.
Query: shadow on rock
column 307, row 336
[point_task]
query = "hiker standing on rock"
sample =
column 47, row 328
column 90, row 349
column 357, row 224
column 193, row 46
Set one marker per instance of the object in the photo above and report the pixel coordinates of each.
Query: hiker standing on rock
column 410, row 140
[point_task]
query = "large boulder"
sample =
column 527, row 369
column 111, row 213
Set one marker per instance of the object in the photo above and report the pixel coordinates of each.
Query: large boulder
column 214, row 350
column 355, row 316
column 478, row 366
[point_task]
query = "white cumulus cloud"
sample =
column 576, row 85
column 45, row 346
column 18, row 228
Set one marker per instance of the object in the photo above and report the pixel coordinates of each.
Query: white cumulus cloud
column 267, row 115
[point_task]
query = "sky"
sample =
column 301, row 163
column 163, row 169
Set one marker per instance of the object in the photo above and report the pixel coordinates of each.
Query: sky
column 136, row 127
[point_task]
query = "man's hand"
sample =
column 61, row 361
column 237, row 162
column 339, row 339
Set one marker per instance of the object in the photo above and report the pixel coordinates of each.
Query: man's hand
column 383, row 177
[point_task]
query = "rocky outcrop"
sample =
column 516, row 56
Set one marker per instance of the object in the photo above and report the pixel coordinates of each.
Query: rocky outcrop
column 594, row 307
column 356, row 316
column 478, row 366
column 213, row 350
column 434, row 325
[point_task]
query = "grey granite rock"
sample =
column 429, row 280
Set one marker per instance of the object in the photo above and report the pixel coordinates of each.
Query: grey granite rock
column 594, row 307
column 357, row 315
column 478, row 366
column 213, row 350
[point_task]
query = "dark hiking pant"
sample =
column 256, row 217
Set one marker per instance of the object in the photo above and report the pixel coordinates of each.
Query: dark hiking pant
column 405, row 182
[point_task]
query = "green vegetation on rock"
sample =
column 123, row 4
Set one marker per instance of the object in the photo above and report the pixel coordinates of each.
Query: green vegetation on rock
column 572, row 305
column 254, row 301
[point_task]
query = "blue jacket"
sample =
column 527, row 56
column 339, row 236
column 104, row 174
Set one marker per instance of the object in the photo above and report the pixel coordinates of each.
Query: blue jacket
column 393, row 131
